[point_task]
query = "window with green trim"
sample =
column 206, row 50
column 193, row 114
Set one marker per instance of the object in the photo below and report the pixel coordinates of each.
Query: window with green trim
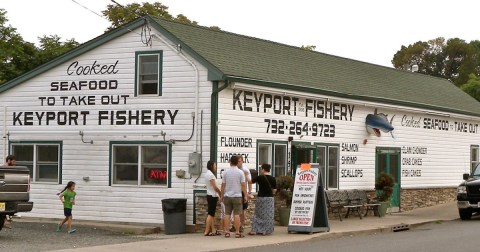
column 42, row 159
column 148, row 73
column 274, row 154
column 474, row 157
column 328, row 157
column 140, row 164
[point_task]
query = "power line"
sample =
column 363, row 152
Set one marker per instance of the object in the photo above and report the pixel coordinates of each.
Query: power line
column 145, row 35
column 89, row 9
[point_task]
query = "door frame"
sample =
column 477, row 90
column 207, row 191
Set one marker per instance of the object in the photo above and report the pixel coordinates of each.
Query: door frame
column 397, row 187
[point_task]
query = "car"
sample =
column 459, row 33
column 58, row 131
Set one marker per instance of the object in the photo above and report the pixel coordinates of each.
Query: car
column 14, row 191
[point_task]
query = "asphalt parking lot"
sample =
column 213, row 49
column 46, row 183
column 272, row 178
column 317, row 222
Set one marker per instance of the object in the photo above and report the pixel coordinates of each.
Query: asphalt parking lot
column 28, row 236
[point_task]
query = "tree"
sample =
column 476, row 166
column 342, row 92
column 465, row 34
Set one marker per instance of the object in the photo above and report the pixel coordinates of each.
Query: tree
column 453, row 59
column 308, row 47
column 52, row 47
column 119, row 15
column 15, row 53
column 18, row 56
column 472, row 87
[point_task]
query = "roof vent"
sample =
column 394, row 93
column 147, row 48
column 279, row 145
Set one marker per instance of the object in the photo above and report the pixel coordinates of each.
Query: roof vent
column 414, row 68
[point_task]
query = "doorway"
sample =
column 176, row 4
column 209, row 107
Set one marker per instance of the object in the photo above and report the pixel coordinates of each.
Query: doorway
column 388, row 160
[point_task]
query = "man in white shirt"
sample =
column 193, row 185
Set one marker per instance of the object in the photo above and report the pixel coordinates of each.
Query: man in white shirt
column 233, row 185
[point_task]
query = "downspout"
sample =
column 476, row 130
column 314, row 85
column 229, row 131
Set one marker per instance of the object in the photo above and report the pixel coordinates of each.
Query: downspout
column 214, row 119
column 178, row 49
column 5, row 152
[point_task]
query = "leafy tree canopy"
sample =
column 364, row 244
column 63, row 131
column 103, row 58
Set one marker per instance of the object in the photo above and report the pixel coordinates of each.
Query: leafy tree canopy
column 18, row 56
column 308, row 47
column 472, row 87
column 120, row 15
column 452, row 59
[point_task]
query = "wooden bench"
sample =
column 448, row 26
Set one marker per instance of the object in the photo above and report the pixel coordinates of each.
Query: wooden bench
column 354, row 203
column 338, row 200
column 368, row 203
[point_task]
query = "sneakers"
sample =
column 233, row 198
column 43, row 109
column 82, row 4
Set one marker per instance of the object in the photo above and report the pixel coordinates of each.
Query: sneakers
column 72, row 231
column 59, row 228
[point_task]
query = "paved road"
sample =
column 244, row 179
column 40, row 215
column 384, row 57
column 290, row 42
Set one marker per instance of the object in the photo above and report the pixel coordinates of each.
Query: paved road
column 442, row 236
column 42, row 237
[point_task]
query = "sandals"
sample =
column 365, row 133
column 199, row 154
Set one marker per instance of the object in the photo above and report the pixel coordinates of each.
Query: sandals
column 239, row 235
column 227, row 235
column 212, row 234
column 252, row 233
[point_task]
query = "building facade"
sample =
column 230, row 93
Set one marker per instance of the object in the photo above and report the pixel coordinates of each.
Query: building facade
column 124, row 118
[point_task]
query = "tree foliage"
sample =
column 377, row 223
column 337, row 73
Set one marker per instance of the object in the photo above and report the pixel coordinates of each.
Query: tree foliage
column 472, row 87
column 120, row 15
column 18, row 56
column 452, row 59
column 308, row 47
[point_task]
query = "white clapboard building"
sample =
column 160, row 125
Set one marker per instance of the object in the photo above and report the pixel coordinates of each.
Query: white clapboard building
column 125, row 114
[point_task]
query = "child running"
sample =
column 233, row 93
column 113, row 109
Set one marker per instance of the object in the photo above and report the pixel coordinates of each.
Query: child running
column 67, row 196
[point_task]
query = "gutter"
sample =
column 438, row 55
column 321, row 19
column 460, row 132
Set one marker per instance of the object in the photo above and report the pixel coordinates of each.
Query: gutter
column 214, row 119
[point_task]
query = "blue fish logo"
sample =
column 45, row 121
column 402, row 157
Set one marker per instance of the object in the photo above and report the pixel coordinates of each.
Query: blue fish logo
column 377, row 123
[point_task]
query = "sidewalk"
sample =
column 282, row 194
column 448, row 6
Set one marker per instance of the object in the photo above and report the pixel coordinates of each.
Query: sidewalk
column 350, row 226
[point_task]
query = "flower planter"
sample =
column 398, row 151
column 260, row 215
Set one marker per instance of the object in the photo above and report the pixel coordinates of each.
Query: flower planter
column 284, row 214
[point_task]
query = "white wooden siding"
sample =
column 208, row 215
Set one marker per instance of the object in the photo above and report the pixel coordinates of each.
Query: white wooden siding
column 448, row 152
column 97, row 200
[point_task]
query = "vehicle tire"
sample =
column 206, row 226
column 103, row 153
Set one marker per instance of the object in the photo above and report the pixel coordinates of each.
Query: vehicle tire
column 465, row 214
column 2, row 220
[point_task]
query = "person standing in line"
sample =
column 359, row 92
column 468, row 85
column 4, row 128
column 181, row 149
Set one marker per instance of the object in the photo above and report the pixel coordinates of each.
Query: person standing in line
column 212, row 198
column 10, row 160
column 233, row 184
column 263, row 219
column 248, row 178
column 67, row 196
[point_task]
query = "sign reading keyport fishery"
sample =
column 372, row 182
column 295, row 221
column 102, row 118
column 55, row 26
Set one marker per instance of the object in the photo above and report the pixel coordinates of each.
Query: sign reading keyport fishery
column 304, row 197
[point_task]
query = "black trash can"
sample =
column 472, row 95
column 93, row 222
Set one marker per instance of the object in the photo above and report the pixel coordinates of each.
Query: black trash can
column 174, row 215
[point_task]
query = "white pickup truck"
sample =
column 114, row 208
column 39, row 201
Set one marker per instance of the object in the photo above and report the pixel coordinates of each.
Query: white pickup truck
column 14, row 191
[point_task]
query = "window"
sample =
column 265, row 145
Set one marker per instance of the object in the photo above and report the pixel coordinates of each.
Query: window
column 140, row 164
column 42, row 159
column 274, row 154
column 474, row 160
column 148, row 73
column 327, row 158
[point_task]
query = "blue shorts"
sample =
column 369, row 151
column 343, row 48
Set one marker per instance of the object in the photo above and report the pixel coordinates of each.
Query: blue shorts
column 67, row 212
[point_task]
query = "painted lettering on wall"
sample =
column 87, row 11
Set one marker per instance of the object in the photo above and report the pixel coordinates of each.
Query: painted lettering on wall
column 288, row 105
column 104, row 117
column 225, row 157
column 349, row 159
column 300, row 128
column 351, row 173
column 439, row 124
column 413, row 156
column 244, row 142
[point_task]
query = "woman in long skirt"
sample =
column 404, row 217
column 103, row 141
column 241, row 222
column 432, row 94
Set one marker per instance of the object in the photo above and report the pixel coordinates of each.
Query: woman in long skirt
column 263, row 219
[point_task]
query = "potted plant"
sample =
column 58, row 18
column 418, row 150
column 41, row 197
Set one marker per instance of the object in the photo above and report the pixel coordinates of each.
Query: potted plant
column 285, row 192
column 384, row 188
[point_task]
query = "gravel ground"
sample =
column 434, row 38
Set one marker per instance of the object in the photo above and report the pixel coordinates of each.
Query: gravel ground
column 43, row 237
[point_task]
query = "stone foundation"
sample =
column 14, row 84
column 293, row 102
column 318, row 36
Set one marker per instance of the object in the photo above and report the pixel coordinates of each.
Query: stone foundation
column 417, row 198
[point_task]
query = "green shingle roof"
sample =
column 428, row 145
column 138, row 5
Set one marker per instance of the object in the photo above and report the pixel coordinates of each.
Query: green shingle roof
column 286, row 66
column 230, row 56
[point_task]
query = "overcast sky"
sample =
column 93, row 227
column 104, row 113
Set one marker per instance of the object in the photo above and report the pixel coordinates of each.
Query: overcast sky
column 368, row 30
